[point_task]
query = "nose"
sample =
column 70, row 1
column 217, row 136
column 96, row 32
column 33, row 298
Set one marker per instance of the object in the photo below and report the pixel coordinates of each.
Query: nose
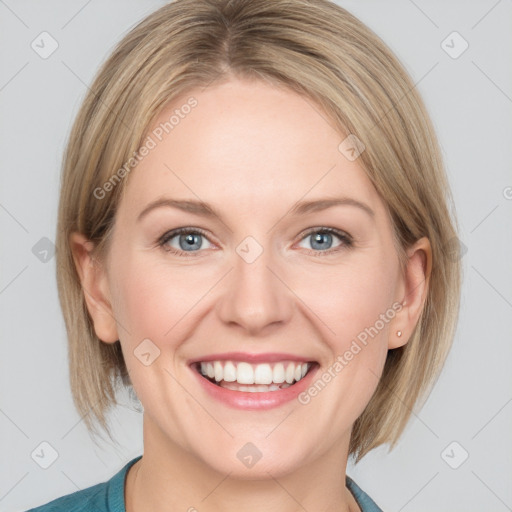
column 255, row 298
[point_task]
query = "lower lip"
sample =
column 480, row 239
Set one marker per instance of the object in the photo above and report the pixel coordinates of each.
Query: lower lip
column 257, row 400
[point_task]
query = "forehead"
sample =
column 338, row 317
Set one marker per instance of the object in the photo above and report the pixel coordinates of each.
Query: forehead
column 249, row 145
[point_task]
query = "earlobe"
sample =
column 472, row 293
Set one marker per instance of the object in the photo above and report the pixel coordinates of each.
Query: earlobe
column 93, row 278
column 416, row 283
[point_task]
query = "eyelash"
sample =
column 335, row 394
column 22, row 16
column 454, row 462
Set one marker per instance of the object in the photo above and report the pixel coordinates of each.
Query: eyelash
column 344, row 237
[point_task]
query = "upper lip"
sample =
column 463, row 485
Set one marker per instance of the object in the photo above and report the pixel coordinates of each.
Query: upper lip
column 266, row 357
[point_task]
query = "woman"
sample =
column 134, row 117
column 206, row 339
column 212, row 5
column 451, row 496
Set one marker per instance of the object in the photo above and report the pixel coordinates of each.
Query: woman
column 254, row 233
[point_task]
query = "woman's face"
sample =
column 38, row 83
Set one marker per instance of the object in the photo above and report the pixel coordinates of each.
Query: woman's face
column 259, row 288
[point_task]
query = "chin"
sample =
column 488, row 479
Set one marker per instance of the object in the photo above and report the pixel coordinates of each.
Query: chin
column 250, row 463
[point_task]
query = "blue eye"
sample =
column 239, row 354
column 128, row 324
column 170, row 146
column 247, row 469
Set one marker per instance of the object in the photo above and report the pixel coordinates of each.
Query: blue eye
column 191, row 241
column 322, row 239
column 188, row 240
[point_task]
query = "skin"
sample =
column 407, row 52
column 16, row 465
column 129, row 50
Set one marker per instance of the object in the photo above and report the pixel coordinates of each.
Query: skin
column 251, row 150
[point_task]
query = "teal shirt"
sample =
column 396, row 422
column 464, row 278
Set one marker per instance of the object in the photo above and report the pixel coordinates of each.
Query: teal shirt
column 109, row 497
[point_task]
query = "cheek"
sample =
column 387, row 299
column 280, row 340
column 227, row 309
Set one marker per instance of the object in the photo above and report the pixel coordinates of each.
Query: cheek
column 356, row 306
column 350, row 298
column 149, row 299
column 151, row 302
column 157, row 300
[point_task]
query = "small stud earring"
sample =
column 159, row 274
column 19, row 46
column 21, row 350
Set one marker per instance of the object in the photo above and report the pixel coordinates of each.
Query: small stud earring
column 399, row 333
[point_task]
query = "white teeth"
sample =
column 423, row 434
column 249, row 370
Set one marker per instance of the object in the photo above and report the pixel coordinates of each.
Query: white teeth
column 229, row 372
column 244, row 373
column 252, row 389
column 290, row 373
column 278, row 373
column 257, row 377
column 219, row 373
column 263, row 374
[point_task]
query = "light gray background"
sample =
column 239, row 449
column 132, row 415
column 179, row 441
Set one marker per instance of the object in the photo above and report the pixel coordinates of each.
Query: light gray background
column 470, row 101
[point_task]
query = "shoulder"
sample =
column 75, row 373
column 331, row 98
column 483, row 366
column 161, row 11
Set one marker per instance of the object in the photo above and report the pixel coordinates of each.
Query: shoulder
column 363, row 500
column 79, row 501
column 103, row 497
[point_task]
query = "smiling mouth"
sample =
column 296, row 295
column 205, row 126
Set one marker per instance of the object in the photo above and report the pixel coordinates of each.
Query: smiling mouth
column 244, row 376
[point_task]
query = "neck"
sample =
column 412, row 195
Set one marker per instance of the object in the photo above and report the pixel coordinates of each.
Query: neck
column 172, row 478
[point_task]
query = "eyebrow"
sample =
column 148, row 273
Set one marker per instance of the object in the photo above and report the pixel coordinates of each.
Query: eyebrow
column 206, row 210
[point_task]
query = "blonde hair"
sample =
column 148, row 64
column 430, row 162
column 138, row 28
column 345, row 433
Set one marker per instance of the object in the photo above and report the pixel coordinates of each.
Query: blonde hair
column 319, row 50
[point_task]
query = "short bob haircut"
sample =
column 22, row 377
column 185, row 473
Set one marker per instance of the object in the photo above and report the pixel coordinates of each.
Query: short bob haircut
column 316, row 49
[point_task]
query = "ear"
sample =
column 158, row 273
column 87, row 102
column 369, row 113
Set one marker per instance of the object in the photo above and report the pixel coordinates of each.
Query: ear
column 93, row 278
column 414, row 290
